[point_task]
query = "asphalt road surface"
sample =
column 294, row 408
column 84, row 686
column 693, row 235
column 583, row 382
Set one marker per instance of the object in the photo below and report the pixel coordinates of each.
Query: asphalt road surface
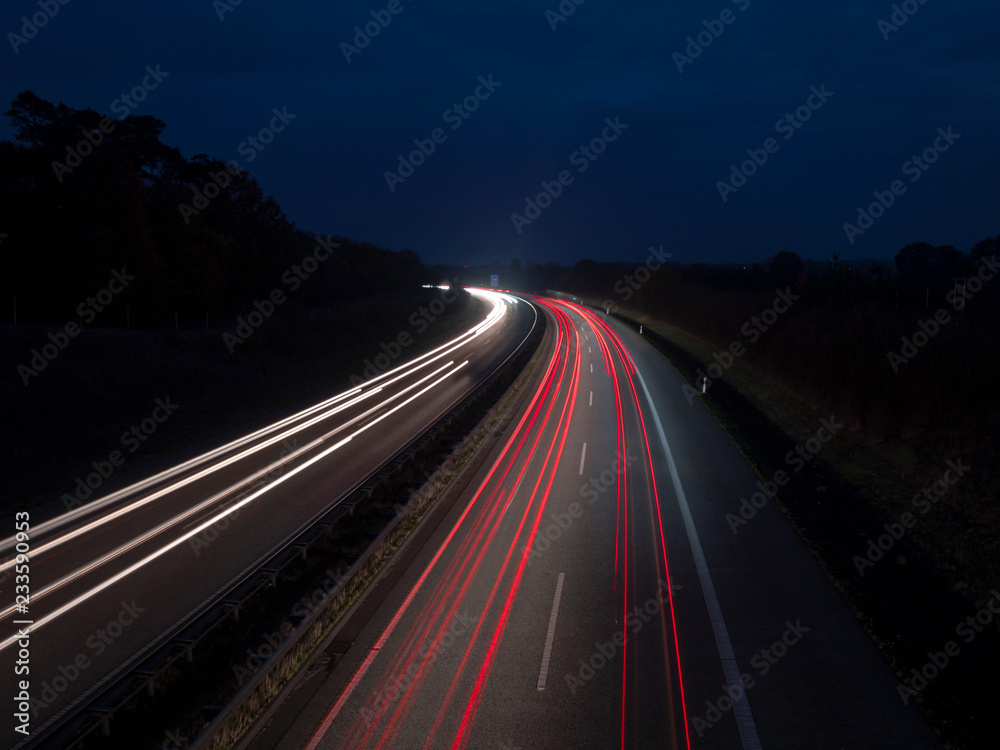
column 108, row 580
column 586, row 590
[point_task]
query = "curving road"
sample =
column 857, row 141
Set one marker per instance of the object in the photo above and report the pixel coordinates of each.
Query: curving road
column 586, row 591
column 109, row 579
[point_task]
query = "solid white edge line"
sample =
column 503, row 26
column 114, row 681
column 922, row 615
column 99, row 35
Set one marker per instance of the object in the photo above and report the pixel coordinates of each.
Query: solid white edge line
column 741, row 707
column 551, row 635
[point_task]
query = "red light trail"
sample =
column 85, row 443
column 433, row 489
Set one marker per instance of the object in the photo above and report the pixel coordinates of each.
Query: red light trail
column 522, row 478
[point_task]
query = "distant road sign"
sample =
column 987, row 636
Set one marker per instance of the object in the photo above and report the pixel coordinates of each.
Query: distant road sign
column 495, row 281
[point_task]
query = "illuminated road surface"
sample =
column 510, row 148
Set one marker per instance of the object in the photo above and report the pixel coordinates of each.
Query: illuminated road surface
column 586, row 591
column 111, row 576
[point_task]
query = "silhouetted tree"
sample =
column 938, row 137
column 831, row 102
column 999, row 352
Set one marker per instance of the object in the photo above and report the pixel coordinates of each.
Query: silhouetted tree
column 913, row 261
column 82, row 195
column 786, row 267
column 986, row 248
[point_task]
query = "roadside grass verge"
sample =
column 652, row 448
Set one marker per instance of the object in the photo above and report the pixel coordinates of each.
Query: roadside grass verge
column 914, row 597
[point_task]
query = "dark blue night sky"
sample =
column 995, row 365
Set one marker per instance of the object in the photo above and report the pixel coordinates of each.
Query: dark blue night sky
column 887, row 90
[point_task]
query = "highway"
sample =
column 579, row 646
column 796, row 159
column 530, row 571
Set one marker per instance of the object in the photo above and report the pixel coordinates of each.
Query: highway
column 585, row 590
column 109, row 579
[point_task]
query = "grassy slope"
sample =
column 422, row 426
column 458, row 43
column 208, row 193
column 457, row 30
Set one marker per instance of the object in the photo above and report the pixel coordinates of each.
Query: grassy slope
column 913, row 599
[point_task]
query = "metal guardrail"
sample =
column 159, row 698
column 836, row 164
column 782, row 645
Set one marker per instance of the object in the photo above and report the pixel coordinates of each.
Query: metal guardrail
column 88, row 721
column 325, row 615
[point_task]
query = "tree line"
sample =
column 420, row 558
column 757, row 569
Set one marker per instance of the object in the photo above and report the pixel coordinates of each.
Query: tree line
column 83, row 195
column 910, row 350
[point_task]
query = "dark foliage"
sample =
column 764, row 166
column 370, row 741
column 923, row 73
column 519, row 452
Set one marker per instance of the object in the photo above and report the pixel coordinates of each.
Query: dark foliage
column 82, row 195
column 854, row 342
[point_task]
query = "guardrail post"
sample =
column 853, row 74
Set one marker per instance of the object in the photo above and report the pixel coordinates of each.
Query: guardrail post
column 188, row 645
column 273, row 573
column 105, row 714
column 150, row 677
column 233, row 605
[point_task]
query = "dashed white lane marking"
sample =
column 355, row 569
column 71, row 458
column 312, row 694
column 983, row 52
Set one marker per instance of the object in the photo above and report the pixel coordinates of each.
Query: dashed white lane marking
column 550, row 637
